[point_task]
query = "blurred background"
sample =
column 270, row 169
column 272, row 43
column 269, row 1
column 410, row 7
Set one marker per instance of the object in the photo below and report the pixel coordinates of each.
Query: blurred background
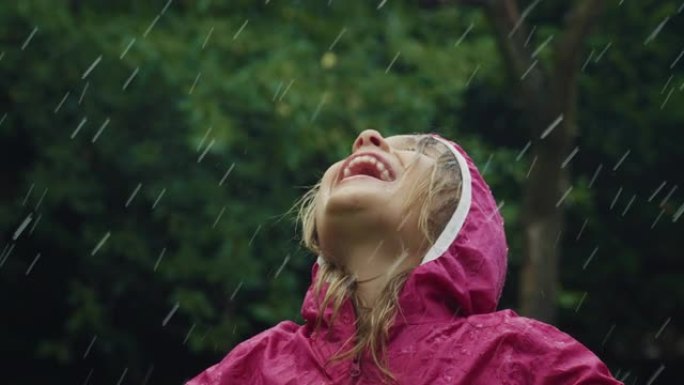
column 150, row 153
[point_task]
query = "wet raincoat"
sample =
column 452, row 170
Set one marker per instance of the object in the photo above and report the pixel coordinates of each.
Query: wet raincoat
column 446, row 332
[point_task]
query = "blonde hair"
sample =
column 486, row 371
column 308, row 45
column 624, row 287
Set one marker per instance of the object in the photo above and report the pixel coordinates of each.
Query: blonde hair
column 438, row 196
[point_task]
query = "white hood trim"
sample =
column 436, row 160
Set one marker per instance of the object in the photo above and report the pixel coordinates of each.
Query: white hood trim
column 453, row 227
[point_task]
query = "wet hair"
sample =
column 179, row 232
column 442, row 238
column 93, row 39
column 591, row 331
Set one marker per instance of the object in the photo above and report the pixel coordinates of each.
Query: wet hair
column 437, row 195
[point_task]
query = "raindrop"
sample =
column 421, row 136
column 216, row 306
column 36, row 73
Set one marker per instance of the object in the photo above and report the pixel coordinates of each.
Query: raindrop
column 616, row 198
column 159, row 259
column 41, row 199
column 542, row 46
column 529, row 36
column 35, row 223
column 130, row 79
column 567, row 192
column 674, row 63
column 28, row 39
column 472, row 75
column 658, row 218
column 62, row 101
column 586, row 263
column 621, row 159
column 657, row 191
column 192, row 88
column 99, row 131
column 656, row 374
column 600, row 55
column 206, row 150
column 667, row 321
column 168, row 3
column 529, row 69
column 219, row 217
column 23, row 203
column 286, row 89
column 187, row 336
column 522, row 17
column 629, row 205
column 656, row 31
column 569, row 158
column 171, row 313
column 89, row 347
column 28, row 271
column 204, row 138
column 522, row 152
column 254, row 235
column 152, row 24
column 531, row 166
column 678, row 213
column 382, row 2
column 551, row 127
column 99, row 245
column 92, row 67
column 610, row 331
column 581, row 230
column 85, row 88
column 593, row 178
column 226, row 174
column 125, row 51
column 122, row 376
column 287, row 258
column 88, row 377
column 206, row 39
column 339, row 36
column 667, row 197
column 392, row 62
column 581, row 301
column 232, row 296
column 486, row 166
column 135, row 192
column 78, row 128
column 318, row 107
column 149, row 371
column 463, row 36
column 161, row 194
column 22, row 226
column 591, row 55
column 240, row 30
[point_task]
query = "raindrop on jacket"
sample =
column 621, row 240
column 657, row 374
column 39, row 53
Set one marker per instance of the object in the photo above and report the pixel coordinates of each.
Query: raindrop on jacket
column 446, row 332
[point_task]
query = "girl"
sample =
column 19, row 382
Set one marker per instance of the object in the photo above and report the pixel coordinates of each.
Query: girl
column 411, row 264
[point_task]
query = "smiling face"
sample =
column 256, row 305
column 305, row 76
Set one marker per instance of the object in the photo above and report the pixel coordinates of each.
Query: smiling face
column 375, row 190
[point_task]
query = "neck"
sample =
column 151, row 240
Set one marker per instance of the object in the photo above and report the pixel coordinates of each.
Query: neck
column 374, row 262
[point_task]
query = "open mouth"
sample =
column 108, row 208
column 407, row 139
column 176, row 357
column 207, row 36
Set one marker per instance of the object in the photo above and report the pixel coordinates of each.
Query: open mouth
column 368, row 165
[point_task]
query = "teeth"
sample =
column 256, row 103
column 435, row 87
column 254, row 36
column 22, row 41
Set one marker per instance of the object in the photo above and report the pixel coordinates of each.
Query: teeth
column 382, row 170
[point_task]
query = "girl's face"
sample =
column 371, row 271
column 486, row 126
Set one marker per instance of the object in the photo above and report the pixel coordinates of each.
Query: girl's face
column 368, row 190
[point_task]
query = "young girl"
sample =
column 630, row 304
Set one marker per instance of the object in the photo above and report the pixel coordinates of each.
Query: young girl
column 411, row 264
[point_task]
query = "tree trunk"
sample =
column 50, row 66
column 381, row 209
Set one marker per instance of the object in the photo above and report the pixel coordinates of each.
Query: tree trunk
column 546, row 97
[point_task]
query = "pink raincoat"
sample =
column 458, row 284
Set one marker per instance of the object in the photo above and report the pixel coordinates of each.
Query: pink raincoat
column 446, row 332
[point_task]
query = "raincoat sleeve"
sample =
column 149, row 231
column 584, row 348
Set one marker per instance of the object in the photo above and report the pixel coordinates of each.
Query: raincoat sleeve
column 234, row 368
column 559, row 359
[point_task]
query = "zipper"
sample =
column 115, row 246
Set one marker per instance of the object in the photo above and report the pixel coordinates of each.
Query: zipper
column 355, row 368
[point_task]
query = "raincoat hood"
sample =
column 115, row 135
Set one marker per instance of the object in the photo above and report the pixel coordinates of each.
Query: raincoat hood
column 446, row 330
column 463, row 272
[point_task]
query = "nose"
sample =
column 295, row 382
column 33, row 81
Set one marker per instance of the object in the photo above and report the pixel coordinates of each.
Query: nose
column 370, row 138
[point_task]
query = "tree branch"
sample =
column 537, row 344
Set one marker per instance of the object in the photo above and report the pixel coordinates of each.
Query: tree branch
column 578, row 25
column 511, row 31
